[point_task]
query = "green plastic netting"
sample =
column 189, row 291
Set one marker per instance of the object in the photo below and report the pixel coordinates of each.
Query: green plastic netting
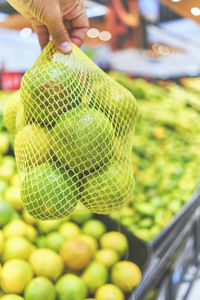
column 75, row 129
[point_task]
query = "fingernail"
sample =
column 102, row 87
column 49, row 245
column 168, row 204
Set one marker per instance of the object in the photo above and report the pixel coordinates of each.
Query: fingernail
column 65, row 47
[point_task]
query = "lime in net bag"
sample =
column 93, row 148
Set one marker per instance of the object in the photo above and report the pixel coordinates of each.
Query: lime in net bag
column 75, row 128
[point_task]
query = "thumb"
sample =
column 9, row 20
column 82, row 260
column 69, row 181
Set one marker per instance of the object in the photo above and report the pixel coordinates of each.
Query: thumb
column 59, row 34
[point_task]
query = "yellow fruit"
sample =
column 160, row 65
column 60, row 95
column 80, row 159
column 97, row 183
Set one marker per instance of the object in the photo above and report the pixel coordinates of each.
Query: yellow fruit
column 46, row 262
column 10, row 111
column 94, row 228
column 28, row 218
column 31, row 233
column 126, row 275
column 116, row 241
column 108, row 257
column 11, row 297
column 13, row 197
column 6, row 172
column 16, row 247
column 32, row 146
column 4, row 143
column 109, row 292
column 15, row 228
column 1, row 242
column 15, row 180
column 16, row 273
column 48, row 225
column 92, row 242
column 69, row 230
column 76, row 254
column 6, row 213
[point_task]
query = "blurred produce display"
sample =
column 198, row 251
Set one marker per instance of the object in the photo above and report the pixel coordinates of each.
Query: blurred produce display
column 166, row 154
column 73, row 258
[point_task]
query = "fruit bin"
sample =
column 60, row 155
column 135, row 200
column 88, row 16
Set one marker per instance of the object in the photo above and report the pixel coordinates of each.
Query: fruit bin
column 170, row 257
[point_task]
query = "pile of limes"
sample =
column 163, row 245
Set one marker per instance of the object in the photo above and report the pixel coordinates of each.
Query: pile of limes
column 73, row 258
column 73, row 141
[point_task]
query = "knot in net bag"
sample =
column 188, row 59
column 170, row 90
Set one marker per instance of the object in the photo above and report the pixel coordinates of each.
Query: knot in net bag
column 74, row 138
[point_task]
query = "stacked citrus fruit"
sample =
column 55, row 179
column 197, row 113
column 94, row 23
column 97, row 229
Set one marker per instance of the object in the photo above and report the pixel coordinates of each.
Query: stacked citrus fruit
column 74, row 134
column 73, row 258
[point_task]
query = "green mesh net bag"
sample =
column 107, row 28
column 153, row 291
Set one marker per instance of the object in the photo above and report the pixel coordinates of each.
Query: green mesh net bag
column 75, row 128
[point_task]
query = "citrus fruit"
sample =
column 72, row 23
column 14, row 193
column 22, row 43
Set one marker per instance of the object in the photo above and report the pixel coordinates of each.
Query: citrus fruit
column 54, row 241
column 81, row 216
column 108, row 257
column 71, row 287
column 109, row 292
column 31, row 233
column 76, row 254
column 4, row 143
column 48, row 90
column 48, row 225
column 94, row 228
column 116, row 241
column 1, row 242
column 6, row 172
column 3, row 186
column 9, row 160
column 15, row 180
column 40, row 288
column 41, row 241
column 6, row 212
column 12, row 196
column 69, row 230
column 108, row 190
column 48, row 193
column 126, row 275
column 11, row 297
column 28, row 218
column 15, row 228
column 46, row 262
column 95, row 275
column 83, row 138
column 32, row 146
column 92, row 242
column 16, row 247
column 121, row 108
column 10, row 111
column 15, row 274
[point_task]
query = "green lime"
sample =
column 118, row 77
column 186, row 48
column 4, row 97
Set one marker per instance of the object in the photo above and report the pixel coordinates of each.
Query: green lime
column 3, row 186
column 109, row 292
column 46, row 262
column 48, row 90
column 41, row 241
column 17, row 247
column 94, row 228
column 81, row 216
column 1, row 242
column 54, row 241
column 46, row 226
column 40, row 288
column 6, row 212
column 108, row 190
column 48, row 193
column 71, row 287
column 83, row 138
column 95, row 275
column 15, row 274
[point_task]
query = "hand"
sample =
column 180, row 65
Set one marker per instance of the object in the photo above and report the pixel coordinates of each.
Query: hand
column 65, row 20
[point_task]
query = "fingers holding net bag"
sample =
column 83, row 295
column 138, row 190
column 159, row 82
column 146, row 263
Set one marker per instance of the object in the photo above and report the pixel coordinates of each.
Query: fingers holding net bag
column 75, row 128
